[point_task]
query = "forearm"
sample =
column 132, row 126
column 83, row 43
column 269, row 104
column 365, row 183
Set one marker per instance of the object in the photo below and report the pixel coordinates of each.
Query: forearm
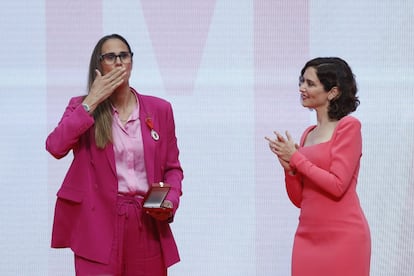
column 75, row 122
column 293, row 188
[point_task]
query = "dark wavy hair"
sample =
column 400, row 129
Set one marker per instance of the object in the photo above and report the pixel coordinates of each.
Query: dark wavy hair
column 331, row 72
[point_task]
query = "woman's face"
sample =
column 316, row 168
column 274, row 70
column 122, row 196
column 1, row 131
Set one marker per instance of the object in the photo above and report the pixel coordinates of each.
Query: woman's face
column 116, row 54
column 312, row 92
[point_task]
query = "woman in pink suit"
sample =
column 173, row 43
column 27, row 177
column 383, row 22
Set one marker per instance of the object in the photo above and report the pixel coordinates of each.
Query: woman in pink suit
column 333, row 237
column 122, row 142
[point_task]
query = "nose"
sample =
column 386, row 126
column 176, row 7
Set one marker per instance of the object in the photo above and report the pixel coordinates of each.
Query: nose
column 118, row 57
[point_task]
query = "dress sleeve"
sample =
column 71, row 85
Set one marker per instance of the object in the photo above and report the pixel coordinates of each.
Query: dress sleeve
column 346, row 151
column 294, row 188
column 75, row 121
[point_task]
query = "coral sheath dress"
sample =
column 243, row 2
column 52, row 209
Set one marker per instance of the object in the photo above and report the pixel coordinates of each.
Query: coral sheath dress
column 333, row 237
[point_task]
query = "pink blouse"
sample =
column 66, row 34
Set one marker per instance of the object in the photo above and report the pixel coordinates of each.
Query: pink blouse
column 129, row 154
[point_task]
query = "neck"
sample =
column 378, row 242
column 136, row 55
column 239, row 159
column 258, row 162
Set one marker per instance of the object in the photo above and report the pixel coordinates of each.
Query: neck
column 122, row 98
column 323, row 119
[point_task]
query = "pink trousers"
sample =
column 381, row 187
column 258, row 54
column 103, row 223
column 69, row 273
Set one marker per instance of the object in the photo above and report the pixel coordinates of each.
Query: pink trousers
column 136, row 250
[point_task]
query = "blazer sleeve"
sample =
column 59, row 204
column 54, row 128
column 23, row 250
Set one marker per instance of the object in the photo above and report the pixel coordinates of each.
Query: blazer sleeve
column 74, row 122
column 346, row 151
column 173, row 173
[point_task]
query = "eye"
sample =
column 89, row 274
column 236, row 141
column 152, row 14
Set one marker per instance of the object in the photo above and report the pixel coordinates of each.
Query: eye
column 124, row 55
column 310, row 83
column 109, row 56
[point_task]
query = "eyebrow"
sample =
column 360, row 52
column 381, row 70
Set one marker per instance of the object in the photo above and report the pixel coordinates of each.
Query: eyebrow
column 122, row 52
column 302, row 79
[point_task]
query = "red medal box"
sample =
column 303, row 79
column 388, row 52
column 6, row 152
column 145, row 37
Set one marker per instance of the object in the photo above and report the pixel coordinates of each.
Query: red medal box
column 155, row 197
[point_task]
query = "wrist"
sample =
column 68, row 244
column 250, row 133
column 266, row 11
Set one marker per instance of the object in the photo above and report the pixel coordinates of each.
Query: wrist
column 86, row 107
column 291, row 172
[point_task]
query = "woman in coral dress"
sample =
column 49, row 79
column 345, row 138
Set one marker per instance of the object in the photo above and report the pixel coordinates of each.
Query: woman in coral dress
column 333, row 237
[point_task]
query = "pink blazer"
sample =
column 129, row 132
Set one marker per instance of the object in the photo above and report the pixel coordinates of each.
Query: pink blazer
column 85, row 210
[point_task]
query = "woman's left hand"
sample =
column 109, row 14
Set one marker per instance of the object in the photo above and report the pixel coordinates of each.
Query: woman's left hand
column 163, row 213
column 283, row 147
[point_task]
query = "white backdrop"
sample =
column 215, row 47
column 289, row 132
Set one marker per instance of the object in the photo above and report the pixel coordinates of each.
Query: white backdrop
column 230, row 69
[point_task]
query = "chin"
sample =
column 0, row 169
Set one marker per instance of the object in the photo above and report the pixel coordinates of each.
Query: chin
column 304, row 104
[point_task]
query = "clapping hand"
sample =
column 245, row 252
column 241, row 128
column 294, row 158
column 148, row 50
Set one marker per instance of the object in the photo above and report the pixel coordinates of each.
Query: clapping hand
column 283, row 148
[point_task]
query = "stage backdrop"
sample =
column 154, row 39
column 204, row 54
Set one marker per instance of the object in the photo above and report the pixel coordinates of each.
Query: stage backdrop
column 230, row 68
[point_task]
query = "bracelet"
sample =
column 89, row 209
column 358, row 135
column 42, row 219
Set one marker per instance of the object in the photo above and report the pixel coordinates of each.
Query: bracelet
column 86, row 107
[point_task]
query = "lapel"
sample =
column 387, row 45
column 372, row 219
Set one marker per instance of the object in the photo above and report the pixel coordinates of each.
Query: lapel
column 96, row 154
column 109, row 151
column 147, row 140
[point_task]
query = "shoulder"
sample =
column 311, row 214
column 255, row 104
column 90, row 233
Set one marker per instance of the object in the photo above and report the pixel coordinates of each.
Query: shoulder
column 349, row 121
column 76, row 100
column 307, row 130
column 348, row 126
column 152, row 102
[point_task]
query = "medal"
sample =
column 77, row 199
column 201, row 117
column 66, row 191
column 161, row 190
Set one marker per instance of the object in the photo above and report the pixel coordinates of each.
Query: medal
column 154, row 134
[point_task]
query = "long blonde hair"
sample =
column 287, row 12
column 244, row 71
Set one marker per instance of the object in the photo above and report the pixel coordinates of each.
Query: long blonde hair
column 103, row 113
